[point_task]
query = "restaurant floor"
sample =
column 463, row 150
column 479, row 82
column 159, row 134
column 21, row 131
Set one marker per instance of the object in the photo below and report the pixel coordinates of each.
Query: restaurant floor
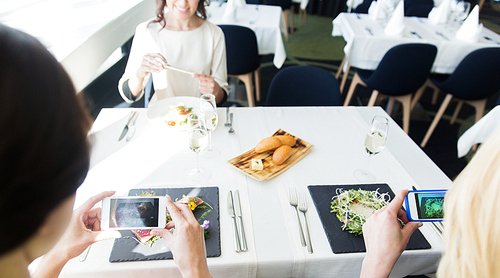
column 312, row 44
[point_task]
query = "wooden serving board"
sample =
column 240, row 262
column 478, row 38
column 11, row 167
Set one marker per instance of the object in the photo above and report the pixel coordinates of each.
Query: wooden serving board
column 271, row 170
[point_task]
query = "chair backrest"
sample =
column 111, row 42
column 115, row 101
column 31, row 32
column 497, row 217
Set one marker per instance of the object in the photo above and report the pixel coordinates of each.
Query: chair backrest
column 476, row 77
column 303, row 86
column 284, row 4
column 403, row 69
column 420, row 8
column 255, row 2
column 363, row 7
column 242, row 52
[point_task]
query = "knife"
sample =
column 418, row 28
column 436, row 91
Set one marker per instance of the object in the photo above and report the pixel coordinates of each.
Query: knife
column 125, row 128
column 230, row 210
column 237, row 209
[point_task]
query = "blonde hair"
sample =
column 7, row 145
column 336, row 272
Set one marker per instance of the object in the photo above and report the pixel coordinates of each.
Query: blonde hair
column 471, row 208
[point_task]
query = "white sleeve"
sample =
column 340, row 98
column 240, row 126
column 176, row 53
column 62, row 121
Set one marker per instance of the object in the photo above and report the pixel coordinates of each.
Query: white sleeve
column 219, row 66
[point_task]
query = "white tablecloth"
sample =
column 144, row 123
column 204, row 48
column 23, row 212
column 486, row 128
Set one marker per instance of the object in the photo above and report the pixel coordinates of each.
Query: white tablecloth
column 365, row 50
column 160, row 157
column 266, row 21
column 80, row 34
column 479, row 131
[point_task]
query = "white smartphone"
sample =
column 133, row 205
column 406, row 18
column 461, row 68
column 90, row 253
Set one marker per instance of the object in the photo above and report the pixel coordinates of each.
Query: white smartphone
column 425, row 205
column 131, row 213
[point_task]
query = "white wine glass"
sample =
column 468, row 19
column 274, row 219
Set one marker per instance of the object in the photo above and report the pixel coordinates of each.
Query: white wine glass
column 374, row 144
column 208, row 111
column 197, row 138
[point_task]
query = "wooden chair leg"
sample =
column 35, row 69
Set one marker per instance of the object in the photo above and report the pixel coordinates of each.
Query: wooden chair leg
column 339, row 71
column 479, row 105
column 305, row 15
column 406, row 101
column 285, row 15
column 434, row 123
column 257, row 83
column 457, row 110
column 373, row 98
column 355, row 81
column 292, row 13
column 247, row 79
column 435, row 96
column 419, row 94
column 391, row 105
column 300, row 17
column 344, row 78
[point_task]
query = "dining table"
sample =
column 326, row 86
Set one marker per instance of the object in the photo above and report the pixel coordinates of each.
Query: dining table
column 367, row 43
column 158, row 156
column 266, row 21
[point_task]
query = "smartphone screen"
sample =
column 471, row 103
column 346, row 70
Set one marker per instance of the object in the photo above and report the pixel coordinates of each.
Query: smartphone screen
column 425, row 205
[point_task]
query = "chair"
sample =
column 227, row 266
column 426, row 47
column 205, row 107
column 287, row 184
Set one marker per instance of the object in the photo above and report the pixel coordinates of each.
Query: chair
column 474, row 80
column 285, row 6
column 419, row 8
column 303, row 86
column 243, row 59
column 401, row 72
column 254, row 2
column 149, row 90
column 363, row 7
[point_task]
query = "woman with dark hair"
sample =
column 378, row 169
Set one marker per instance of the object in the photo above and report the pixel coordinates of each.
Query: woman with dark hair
column 179, row 36
column 44, row 157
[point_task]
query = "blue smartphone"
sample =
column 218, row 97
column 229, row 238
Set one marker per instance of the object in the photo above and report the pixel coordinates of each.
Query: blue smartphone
column 425, row 205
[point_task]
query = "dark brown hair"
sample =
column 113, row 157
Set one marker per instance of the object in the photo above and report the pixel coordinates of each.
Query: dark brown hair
column 44, row 154
column 161, row 4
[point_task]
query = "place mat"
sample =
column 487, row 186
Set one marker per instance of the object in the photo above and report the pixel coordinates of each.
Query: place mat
column 127, row 248
column 242, row 162
column 342, row 241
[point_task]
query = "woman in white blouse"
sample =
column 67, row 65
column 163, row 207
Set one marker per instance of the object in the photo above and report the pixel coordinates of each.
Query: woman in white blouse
column 181, row 37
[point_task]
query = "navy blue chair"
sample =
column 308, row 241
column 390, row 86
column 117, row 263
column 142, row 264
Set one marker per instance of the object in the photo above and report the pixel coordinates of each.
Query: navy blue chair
column 363, row 7
column 400, row 73
column 419, row 8
column 254, row 2
column 243, row 61
column 285, row 6
column 149, row 90
column 303, row 86
column 474, row 80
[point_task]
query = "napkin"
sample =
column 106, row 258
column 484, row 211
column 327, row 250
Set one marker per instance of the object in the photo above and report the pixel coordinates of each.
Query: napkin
column 240, row 3
column 439, row 15
column 470, row 29
column 376, row 11
column 396, row 23
column 230, row 12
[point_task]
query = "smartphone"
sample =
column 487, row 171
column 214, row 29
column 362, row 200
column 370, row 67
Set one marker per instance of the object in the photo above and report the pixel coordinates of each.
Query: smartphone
column 425, row 205
column 131, row 213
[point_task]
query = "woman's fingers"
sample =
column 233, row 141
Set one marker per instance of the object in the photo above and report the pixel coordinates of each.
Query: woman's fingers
column 90, row 203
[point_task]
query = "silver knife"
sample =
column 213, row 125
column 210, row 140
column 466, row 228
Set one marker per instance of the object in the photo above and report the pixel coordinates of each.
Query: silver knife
column 125, row 128
column 230, row 210
column 237, row 209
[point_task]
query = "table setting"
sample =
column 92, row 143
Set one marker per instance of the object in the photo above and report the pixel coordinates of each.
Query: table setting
column 258, row 228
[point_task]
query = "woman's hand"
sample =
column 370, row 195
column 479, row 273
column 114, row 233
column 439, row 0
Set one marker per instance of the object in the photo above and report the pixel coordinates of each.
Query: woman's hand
column 188, row 241
column 208, row 85
column 385, row 240
column 152, row 62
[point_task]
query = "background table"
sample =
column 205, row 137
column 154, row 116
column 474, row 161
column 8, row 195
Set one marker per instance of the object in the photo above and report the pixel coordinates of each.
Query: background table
column 364, row 50
column 159, row 157
column 266, row 21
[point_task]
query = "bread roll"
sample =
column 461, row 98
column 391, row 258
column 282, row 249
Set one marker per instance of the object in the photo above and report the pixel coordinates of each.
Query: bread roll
column 268, row 144
column 287, row 140
column 281, row 154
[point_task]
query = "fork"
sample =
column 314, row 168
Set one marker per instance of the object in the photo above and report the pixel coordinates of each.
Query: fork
column 303, row 208
column 231, row 130
column 292, row 195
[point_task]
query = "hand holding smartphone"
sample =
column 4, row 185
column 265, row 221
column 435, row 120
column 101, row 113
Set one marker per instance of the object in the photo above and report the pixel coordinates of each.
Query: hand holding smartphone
column 425, row 205
column 131, row 213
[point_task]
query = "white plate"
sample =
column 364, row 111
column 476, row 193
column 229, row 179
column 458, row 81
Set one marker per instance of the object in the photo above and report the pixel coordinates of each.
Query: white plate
column 159, row 108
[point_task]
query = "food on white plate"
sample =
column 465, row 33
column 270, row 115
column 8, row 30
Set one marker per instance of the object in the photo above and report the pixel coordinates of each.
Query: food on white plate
column 268, row 144
column 287, row 140
column 256, row 164
column 177, row 115
column 281, row 154
column 353, row 207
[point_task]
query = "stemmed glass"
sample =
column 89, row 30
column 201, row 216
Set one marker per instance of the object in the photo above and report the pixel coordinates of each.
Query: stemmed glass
column 460, row 10
column 197, row 137
column 208, row 110
column 374, row 143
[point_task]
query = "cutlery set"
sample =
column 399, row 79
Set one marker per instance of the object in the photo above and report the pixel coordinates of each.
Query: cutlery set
column 300, row 204
column 129, row 127
column 234, row 210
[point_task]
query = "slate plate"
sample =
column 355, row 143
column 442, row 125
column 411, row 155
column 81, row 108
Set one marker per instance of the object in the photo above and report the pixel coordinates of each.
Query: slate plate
column 342, row 241
column 127, row 248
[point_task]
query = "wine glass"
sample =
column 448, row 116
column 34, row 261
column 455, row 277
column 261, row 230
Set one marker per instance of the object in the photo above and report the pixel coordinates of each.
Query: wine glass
column 208, row 110
column 460, row 10
column 374, row 143
column 197, row 138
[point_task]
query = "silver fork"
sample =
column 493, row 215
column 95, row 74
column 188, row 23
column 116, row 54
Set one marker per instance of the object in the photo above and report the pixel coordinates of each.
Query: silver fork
column 292, row 195
column 303, row 208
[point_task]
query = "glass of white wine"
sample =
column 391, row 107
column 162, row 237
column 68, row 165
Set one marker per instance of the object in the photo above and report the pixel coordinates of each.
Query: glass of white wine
column 197, row 138
column 208, row 111
column 374, row 144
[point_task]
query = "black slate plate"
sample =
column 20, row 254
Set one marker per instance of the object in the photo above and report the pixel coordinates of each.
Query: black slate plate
column 127, row 248
column 342, row 241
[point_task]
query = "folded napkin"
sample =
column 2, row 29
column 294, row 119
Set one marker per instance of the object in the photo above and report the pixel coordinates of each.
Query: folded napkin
column 479, row 131
column 230, row 12
column 396, row 23
column 240, row 3
column 376, row 10
column 439, row 15
column 470, row 29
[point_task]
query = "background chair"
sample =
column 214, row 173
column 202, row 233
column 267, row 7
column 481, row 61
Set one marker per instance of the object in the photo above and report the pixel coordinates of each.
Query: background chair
column 254, row 2
column 243, row 59
column 420, row 8
column 401, row 72
column 474, row 80
column 285, row 6
column 363, row 7
column 303, row 86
